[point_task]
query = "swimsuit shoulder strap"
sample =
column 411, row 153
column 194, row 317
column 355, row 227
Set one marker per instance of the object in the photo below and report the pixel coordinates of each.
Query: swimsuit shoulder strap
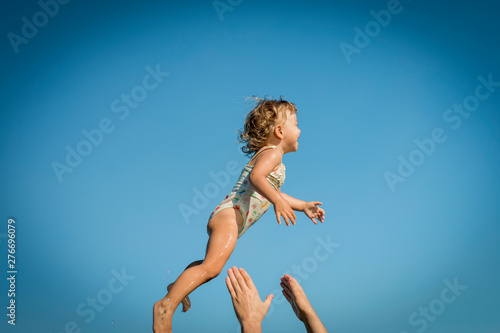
column 260, row 151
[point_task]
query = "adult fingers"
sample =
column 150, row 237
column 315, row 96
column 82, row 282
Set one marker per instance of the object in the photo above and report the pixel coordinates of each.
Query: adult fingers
column 239, row 278
column 295, row 285
column 290, row 282
column 286, row 278
column 288, row 298
column 248, row 279
column 234, row 281
column 286, row 288
column 230, row 288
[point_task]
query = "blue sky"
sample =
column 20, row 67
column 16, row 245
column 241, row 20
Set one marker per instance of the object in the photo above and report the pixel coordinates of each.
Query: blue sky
column 400, row 141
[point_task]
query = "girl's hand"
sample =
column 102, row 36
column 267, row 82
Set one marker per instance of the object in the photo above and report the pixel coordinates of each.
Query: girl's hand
column 283, row 209
column 312, row 211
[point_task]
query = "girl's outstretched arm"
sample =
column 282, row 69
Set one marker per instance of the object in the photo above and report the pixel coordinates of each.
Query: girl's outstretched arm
column 310, row 208
column 296, row 204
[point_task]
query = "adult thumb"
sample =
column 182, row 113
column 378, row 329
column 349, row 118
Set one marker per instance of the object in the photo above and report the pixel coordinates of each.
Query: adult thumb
column 268, row 300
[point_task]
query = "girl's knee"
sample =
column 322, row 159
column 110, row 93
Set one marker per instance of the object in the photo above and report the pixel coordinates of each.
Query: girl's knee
column 212, row 271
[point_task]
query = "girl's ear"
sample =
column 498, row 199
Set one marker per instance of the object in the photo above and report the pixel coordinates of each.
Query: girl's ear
column 278, row 131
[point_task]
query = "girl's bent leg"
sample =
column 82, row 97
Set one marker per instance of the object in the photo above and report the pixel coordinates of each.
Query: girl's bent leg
column 223, row 232
column 186, row 302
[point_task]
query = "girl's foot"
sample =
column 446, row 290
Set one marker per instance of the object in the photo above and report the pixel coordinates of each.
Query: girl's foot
column 161, row 322
column 186, row 303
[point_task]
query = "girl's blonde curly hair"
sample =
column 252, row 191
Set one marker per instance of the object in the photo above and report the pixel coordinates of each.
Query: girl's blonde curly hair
column 260, row 122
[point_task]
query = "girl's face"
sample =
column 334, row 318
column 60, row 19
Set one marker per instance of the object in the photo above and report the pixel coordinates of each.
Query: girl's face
column 291, row 132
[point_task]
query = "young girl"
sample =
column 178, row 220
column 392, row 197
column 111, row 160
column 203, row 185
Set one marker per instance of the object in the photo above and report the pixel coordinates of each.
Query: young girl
column 270, row 131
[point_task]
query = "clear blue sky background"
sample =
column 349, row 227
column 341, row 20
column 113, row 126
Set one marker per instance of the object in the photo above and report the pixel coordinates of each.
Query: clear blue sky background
column 119, row 209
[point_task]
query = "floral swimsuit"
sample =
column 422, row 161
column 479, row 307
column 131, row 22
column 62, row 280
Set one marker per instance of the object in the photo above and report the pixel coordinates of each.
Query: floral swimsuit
column 245, row 198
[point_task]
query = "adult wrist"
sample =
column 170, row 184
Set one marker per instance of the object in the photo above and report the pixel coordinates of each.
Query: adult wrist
column 309, row 315
column 251, row 326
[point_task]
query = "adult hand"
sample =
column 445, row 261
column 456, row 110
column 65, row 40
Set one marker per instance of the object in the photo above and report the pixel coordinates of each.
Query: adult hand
column 249, row 308
column 303, row 309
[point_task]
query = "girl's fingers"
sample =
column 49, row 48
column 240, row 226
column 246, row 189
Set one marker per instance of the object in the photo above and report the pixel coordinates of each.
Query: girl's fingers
column 292, row 217
column 287, row 216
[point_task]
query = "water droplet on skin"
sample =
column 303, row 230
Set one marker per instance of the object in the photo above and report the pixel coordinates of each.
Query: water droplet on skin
column 168, row 299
